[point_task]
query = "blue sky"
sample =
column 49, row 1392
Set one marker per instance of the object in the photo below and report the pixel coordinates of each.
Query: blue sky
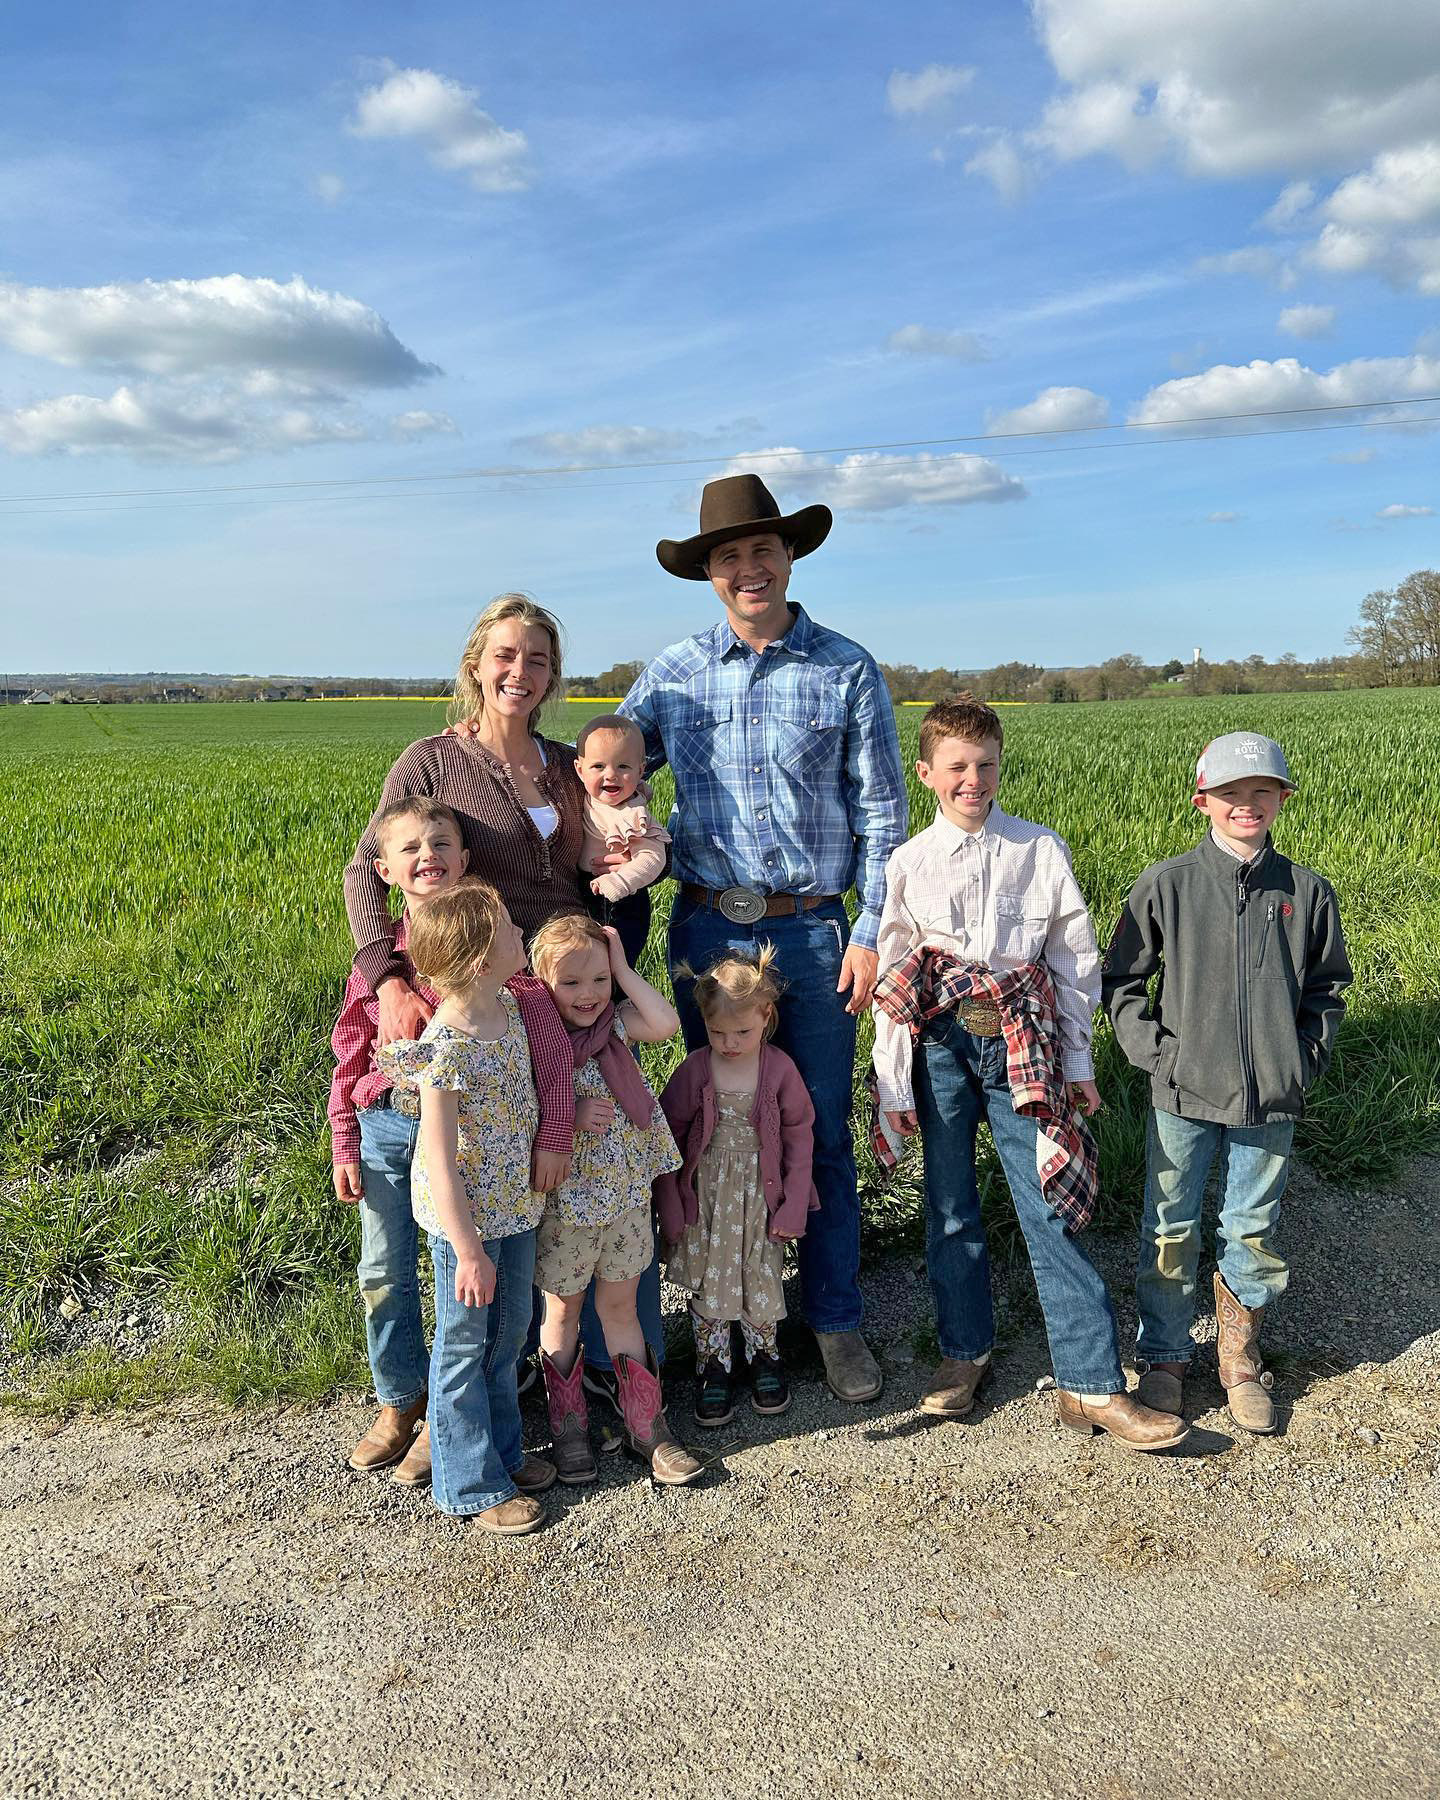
column 366, row 245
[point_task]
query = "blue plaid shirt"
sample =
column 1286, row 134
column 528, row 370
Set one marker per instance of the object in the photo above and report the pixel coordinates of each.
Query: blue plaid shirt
column 786, row 763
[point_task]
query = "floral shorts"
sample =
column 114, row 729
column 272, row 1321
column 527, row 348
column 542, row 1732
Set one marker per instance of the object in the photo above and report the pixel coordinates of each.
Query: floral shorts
column 567, row 1255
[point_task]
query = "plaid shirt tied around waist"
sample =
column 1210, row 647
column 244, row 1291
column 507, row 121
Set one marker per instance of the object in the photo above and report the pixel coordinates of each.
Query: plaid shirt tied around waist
column 929, row 982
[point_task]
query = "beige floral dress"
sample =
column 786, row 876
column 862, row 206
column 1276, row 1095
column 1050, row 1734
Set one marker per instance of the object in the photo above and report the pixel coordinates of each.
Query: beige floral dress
column 726, row 1258
column 499, row 1116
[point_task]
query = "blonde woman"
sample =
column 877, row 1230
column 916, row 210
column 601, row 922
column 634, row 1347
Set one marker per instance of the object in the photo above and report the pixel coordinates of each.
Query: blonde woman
column 515, row 792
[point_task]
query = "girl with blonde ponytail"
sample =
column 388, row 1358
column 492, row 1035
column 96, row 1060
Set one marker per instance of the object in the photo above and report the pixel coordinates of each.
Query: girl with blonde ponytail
column 743, row 1120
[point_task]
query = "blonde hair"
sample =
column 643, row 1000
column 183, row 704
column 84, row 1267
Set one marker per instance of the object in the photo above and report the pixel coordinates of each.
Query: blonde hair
column 736, row 983
column 451, row 934
column 559, row 936
column 469, row 700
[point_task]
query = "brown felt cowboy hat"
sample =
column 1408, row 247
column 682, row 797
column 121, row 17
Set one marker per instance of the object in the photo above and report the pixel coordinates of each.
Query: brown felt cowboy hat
column 741, row 506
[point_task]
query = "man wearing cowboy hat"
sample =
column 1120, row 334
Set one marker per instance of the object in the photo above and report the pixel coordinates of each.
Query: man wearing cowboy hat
column 788, row 790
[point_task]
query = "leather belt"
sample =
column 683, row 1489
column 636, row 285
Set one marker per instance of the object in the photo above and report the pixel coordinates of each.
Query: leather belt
column 743, row 906
column 402, row 1100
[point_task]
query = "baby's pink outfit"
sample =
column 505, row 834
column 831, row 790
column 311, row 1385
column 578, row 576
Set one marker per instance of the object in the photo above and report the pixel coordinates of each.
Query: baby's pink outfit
column 631, row 827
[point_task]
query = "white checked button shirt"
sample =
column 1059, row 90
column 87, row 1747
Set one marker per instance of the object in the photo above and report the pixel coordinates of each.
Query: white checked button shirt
column 1003, row 896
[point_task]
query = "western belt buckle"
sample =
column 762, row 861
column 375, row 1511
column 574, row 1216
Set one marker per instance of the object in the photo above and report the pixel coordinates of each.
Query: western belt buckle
column 742, row 905
column 982, row 1017
column 405, row 1101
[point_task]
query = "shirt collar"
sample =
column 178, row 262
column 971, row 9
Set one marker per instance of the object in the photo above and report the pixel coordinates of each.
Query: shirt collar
column 989, row 836
column 799, row 640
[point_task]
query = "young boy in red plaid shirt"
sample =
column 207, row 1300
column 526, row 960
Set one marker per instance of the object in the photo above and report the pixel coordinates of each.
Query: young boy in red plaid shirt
column 373, row 1126
column 989, row 977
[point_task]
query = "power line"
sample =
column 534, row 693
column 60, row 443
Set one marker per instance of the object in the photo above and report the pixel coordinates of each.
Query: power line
column 266, row 497
column 518, row 473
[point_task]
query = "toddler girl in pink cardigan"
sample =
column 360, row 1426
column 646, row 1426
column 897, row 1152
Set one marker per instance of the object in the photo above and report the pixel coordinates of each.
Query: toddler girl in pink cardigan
column 743, row 1121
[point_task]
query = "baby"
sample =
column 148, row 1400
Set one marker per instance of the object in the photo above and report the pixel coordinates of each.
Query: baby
column 610, row 759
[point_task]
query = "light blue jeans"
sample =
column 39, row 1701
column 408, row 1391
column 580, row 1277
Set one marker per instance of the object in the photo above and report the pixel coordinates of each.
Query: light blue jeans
column 389, row 1246
column 475, row 1440
column 960, row 1079
column 1254, row 1165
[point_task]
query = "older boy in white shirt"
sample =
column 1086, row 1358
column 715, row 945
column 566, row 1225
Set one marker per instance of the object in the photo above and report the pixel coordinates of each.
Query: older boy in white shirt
column 989, row 978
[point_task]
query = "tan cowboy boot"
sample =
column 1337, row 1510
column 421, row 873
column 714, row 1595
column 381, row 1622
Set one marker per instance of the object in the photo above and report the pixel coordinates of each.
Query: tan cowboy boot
column 1135, row 1426
column 1245, row 1379
column 415, row 1471
column 646, row 1431
column 512, row 1518
column 952, row 1389
column 569, row 1421
column 388, row 1438
column 1162, row 1386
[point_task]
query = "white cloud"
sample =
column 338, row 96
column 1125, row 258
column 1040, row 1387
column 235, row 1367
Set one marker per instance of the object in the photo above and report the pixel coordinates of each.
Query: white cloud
column 1258, row 260
column 1307, row 321
column 329, row 188
column 1406, row 512
column 1223, row 518
column 419, row 424
column 1353, row 456
column 871, row 482
column 1053, row 409
column 927, row 89
column 922, row 340
column 1004, row 168
column 1291, row 204
column 232, row 324
column 1404, row 261
column 632, row 443
column 447, row 118
column 1104, row 116
column 157, row 426
column 1286, row 383
column 1400, row 188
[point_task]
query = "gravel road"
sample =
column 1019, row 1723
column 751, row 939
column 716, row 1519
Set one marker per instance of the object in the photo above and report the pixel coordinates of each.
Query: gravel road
column 853, row 1602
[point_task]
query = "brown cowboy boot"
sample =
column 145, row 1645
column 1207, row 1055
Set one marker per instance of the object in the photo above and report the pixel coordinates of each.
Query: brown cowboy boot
column 1245, row 1379
column 569, row 1421
column 1135, row 1426
column 953, row 1387
column 388, row 1438
column 416, row 1469
column 1162, row 1386
column 646, row 1431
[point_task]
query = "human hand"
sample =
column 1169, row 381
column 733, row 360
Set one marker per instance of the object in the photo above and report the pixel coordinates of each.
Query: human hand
column 474, row 1276
column 548, row 1169
column 594, row 1114
column 903, row 1124
column 1087, row 1097
column 346, row 1177
column 403, row 1014
column 612, row 859
column 463, row 728
column 619, row 967
column 784, row 1237
column 859, row 972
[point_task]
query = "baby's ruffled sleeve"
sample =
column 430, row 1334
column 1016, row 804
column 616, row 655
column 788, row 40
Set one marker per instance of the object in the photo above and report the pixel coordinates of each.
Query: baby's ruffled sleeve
column 428, row 1063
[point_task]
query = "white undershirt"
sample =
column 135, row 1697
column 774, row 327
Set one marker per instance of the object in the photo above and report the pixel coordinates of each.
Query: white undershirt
column 545, row 817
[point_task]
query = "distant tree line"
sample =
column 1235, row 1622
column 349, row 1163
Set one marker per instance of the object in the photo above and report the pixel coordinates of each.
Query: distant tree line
column 1397, row 638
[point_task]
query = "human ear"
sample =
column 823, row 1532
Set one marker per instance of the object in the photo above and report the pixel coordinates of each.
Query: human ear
column 464, row 859
column 382, row 869
column 922, row 771
column 1201, row 802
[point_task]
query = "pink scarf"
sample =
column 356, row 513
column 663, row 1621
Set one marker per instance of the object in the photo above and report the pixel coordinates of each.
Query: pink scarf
column 617, row 1065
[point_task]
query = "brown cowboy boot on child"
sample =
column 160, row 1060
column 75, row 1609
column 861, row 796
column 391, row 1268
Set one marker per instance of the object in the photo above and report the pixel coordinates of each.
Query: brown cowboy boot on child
column 646, row 1431
column 1245, row 1379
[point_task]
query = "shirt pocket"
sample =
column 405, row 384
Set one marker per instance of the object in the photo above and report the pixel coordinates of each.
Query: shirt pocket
column 1019, row 928
column 807, row 735
column 701, row 737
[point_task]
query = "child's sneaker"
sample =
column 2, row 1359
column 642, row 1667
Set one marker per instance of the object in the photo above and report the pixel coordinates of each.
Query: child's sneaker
column 714, row 1394
column 769, row 1388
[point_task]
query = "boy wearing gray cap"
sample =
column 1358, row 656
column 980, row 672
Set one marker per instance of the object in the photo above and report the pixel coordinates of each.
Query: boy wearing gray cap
column 1252, row 965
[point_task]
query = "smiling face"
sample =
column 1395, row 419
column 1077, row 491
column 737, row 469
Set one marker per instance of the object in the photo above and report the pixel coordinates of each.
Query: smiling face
column 737, row 1033
column 513, row 669
column 963, row 776
column 750, row 575
column 581, row 984
column 422, row 857
column 610, row 765
column 1243, row 811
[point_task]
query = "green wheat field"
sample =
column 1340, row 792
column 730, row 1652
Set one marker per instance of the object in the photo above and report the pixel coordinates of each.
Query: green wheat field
column 175, row 946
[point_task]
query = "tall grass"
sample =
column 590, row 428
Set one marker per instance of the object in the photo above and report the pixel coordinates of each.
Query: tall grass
column 174, row 947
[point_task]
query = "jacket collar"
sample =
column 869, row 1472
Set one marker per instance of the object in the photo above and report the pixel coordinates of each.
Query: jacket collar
column 989, row 837
column 1229, row 868
column 721, row 640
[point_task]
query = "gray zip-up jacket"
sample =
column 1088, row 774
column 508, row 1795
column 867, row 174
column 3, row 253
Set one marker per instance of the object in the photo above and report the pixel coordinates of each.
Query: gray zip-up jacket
column 1252, row 966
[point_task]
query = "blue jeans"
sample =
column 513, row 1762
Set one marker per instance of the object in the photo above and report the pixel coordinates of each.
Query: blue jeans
column 1254, row 1165
column 389, row 1246
column 475, row 1442
column 960, row 1080
column 817, row 1032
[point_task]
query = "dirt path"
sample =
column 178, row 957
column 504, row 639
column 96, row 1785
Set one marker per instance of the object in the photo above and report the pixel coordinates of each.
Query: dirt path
column 856, row 1603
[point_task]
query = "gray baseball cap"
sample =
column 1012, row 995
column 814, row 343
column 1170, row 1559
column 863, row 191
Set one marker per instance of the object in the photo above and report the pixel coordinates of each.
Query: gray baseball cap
column 1237, row 755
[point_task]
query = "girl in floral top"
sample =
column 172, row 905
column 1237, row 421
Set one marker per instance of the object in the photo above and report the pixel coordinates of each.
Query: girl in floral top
column 471, row 1192
column 597, row 1223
